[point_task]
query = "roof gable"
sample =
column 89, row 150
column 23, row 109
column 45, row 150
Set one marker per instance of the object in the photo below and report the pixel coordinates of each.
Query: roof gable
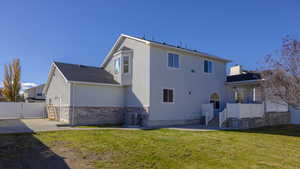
column 76, row 73
column 122, row 37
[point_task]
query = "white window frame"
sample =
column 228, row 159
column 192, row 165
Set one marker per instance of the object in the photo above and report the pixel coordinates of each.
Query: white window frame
column 212, row 70
column 118, row 58
column 162, row 96
column 123, row 64
column 170, row 67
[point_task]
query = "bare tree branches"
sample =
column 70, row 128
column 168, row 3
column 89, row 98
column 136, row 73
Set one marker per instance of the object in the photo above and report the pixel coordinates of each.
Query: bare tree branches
column 11, row 82
column 281, row 73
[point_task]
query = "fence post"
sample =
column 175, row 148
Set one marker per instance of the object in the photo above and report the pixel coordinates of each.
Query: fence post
column 21, row 113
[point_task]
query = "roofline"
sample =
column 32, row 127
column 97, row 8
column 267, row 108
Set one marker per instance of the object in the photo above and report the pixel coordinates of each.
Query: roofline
column 53, row 66
column 244, row 81
column 122, row 36
column 191, row 52
column 94, row 83
column 34, row 87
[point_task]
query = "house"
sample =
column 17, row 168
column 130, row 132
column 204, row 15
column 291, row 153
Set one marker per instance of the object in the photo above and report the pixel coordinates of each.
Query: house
column 244, row 86
column 35, row 94
column 152, row 83
column 247, row 105
column 149, row 83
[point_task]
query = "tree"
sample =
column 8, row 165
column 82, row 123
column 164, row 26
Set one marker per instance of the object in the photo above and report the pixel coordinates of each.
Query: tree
column 11, row 82
column 281, row 73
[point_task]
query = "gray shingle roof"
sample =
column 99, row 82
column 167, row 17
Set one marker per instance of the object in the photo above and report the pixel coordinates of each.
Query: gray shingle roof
column 243, row 77
column 82, row 73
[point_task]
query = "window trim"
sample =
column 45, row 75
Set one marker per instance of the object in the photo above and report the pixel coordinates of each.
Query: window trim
column 179, row 61
column 123, row 65
column 162, row 95
column 115, row 59
column 212, row 70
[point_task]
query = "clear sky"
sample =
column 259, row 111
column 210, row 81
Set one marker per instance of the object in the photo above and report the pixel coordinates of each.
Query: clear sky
column 83, row 31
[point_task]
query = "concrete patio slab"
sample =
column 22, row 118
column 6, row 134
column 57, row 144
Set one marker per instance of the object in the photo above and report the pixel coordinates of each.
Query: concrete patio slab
column 38, row 125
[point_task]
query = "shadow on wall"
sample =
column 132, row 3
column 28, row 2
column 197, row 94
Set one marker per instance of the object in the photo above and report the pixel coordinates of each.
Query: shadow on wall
column 25, row 151
column 285, row 130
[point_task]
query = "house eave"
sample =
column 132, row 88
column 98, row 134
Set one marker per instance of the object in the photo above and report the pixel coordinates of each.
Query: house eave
column 94, row 83
column 123, row 36
column 244, row 82
column 201, row 54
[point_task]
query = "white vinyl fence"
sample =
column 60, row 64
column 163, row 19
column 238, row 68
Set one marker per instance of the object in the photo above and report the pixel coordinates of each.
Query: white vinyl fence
column 238, row 110
column 11, row 110
column 208, row 111
column 276, row 106
column 295, row 115
column 245, row 110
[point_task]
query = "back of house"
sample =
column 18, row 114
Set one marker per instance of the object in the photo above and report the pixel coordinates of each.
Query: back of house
column 140, row 82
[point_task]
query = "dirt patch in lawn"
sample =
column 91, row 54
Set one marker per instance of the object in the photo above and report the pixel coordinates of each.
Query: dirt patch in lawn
column 24, row 151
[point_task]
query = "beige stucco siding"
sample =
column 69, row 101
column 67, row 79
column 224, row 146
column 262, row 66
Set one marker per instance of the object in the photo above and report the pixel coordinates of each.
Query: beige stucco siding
column 182, row 80
column 96, row 95
column 59, row 90
column 138, row 92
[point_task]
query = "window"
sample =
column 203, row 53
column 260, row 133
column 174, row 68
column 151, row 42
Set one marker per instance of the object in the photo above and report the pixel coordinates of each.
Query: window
column 117, row 65
column 168, row 95
column 207, row 66
column 39, row 94
column 173, row 60
column 126, row 64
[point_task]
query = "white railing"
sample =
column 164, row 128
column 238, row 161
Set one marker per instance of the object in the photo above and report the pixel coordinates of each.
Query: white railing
column 241, row 110
column 222, row 117
column 208, row 111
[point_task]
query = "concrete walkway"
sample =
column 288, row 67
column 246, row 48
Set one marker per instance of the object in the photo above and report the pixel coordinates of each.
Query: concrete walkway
column 38, row 125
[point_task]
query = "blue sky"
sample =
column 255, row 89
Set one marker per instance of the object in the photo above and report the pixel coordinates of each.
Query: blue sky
column 82, row 32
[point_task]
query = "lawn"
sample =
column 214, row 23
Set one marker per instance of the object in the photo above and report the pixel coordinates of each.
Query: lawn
column 264, row 148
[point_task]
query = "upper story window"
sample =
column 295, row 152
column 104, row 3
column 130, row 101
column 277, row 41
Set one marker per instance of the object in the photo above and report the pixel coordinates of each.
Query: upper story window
column 168, row 96
column 117, row 65
column 207, row 66
column 126, row 64
column 173, row 60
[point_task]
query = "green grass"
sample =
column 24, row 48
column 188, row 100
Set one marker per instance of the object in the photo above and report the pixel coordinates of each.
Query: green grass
column 99, row 126
column 264, row 148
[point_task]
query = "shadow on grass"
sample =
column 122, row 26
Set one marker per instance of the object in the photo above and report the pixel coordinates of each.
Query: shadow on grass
column 25, row 151
column 285, row 130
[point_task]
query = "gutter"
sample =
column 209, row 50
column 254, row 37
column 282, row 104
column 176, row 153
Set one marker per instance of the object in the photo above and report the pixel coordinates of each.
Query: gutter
column 95, row 84
column 244, row 82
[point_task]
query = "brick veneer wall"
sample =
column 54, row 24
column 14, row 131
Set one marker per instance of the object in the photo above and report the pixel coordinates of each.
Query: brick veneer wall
column 96, row 115
column 102, row 115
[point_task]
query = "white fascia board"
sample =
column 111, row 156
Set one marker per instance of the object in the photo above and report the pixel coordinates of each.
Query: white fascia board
column 243, row 82
column 95, row 84
column 122, row 36
column 208, row 56
column 66, row 80
column 49, row 78
column 50, row 74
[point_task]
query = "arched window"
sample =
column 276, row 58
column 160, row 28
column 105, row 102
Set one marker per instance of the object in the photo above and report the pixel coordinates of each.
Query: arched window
column 215, row 100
